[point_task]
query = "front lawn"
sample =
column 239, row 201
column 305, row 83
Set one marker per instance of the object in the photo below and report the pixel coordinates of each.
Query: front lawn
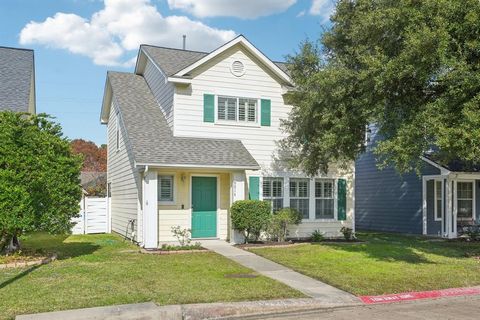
column 385, row 263
column 98, row 270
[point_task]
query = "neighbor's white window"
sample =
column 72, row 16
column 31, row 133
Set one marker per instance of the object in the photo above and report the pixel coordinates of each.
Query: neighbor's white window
column 237, row 109
column 438, row 200
column 324, row 199
column 273, row 192
column 299, row 196
column 165, row 188
column 465, row 200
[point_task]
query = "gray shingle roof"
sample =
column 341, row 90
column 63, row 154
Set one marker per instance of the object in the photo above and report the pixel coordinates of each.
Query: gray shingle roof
column 152, row 140
column 16, row 72
column 173, row 60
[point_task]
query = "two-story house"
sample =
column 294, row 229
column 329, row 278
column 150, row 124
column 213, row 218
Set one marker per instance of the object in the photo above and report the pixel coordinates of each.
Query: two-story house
column 17, row 80
column 191, row 132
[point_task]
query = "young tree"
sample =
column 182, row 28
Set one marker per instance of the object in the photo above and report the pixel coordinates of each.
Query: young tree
column 39, row 178
column 411, row 68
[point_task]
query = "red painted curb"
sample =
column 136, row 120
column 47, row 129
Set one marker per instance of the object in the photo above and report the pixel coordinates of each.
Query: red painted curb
column 408, row 296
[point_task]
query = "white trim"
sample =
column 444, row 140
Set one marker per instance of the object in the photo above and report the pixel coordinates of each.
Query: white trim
column 435, row 199
column 242, row 40
column 179, row 80
column 424, row 204
column 168, row 165
column 217, row 176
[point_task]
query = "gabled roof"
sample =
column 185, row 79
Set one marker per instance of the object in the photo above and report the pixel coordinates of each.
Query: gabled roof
column 151, row 139
column 178, row 63
column 17, row 80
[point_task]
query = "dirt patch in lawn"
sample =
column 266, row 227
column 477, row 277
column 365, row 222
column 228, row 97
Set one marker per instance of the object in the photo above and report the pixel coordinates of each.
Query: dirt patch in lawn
column 22, row 260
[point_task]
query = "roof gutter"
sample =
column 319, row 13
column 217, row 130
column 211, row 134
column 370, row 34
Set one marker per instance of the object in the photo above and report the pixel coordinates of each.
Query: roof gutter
column 193, row 166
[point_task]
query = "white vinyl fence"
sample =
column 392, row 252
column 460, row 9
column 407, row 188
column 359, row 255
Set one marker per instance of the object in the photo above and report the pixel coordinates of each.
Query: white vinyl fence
column 93, row 216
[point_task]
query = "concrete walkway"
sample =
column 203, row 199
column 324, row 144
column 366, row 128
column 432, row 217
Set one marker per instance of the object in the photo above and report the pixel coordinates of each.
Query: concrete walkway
column 309, row 286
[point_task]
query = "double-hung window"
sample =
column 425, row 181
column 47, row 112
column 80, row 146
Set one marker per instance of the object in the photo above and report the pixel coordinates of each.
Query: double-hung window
column 299, row 196
column 273, row 192
column 324, row 199
column 438, row 200
column 465, row 200
column 237, row 109
column 165, row 188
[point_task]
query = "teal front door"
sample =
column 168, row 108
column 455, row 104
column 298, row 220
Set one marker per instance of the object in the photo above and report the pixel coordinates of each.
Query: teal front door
column 204, row 207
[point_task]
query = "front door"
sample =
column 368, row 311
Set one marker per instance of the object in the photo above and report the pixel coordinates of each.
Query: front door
column 204, row 207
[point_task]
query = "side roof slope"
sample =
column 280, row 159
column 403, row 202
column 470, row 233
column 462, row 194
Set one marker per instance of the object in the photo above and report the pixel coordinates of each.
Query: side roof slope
column 152, row 140
column 16, row 79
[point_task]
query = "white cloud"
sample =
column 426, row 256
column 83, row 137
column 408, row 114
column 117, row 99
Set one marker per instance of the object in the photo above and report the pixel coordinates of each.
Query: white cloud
column 322, row 8
column 245, row 9
column 121, row 26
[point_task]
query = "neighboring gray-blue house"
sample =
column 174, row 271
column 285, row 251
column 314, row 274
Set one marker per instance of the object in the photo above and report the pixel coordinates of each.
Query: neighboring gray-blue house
column 439, row 202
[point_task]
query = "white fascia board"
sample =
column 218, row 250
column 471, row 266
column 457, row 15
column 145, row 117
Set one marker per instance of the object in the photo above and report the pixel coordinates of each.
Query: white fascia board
column 106, row 102
column 179, row 80
column 191, row 166
column 240, row 39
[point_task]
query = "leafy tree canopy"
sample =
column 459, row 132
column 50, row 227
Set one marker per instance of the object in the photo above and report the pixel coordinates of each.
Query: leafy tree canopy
column 411, row 67
column 39, row 177
column 94, row 157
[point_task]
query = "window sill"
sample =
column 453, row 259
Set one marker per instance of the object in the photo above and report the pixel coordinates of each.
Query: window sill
column 237, row 124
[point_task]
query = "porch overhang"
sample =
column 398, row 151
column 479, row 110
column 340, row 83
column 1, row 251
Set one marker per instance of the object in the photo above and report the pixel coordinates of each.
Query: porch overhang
column 196, row 166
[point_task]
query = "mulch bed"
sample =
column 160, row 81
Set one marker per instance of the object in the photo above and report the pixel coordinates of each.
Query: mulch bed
column 272, row 244
column 166, row 252
column 26, row 261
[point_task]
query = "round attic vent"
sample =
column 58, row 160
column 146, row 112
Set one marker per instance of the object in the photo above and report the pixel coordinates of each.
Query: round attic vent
column 237, row 68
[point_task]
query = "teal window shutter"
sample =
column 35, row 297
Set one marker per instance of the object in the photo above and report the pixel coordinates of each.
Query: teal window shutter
column 254, row 188
column 208, row 108
column 265, row 112
column 342, row 199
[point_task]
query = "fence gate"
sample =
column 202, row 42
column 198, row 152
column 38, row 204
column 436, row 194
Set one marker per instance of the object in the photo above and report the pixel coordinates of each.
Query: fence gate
column 93, row 216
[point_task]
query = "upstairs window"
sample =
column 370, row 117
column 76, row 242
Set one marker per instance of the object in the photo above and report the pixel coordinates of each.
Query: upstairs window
column 236, row 109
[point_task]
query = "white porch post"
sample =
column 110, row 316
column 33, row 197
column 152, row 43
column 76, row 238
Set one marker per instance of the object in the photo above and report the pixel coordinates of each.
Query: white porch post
column 450, row 212
column 424, row 204
column 150, row 210
column 238, row 192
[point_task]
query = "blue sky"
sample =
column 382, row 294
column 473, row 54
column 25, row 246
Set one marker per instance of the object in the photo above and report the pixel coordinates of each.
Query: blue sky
column 77, row 41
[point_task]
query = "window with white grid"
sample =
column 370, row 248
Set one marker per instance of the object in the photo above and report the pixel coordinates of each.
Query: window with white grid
column 324, row 199
column 273, row 192
column 299, row 196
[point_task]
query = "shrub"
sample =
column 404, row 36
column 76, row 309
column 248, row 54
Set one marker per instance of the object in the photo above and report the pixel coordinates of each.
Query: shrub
column 280, row 220
column 250, row 217
column 347, row 233
column 472, row 232
column 182, row 235
column 317, row 236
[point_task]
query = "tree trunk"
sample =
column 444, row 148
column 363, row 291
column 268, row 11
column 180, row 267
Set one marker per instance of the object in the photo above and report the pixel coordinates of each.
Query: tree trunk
column 13, row 245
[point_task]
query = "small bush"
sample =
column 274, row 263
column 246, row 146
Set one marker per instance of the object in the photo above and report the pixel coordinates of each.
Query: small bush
column 182, row 235
column 167, row 247
column 472, row 232
column 280, row 220
column 347, row 233
column 317, row 236
column 250, row 217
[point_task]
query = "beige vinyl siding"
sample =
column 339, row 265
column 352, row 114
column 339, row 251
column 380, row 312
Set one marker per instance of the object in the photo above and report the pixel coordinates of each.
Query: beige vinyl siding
column 161, row 89
column 215, row 78
column 124, row 178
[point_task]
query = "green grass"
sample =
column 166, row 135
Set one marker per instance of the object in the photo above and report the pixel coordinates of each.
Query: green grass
column 99, row 270
column 384, row 264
